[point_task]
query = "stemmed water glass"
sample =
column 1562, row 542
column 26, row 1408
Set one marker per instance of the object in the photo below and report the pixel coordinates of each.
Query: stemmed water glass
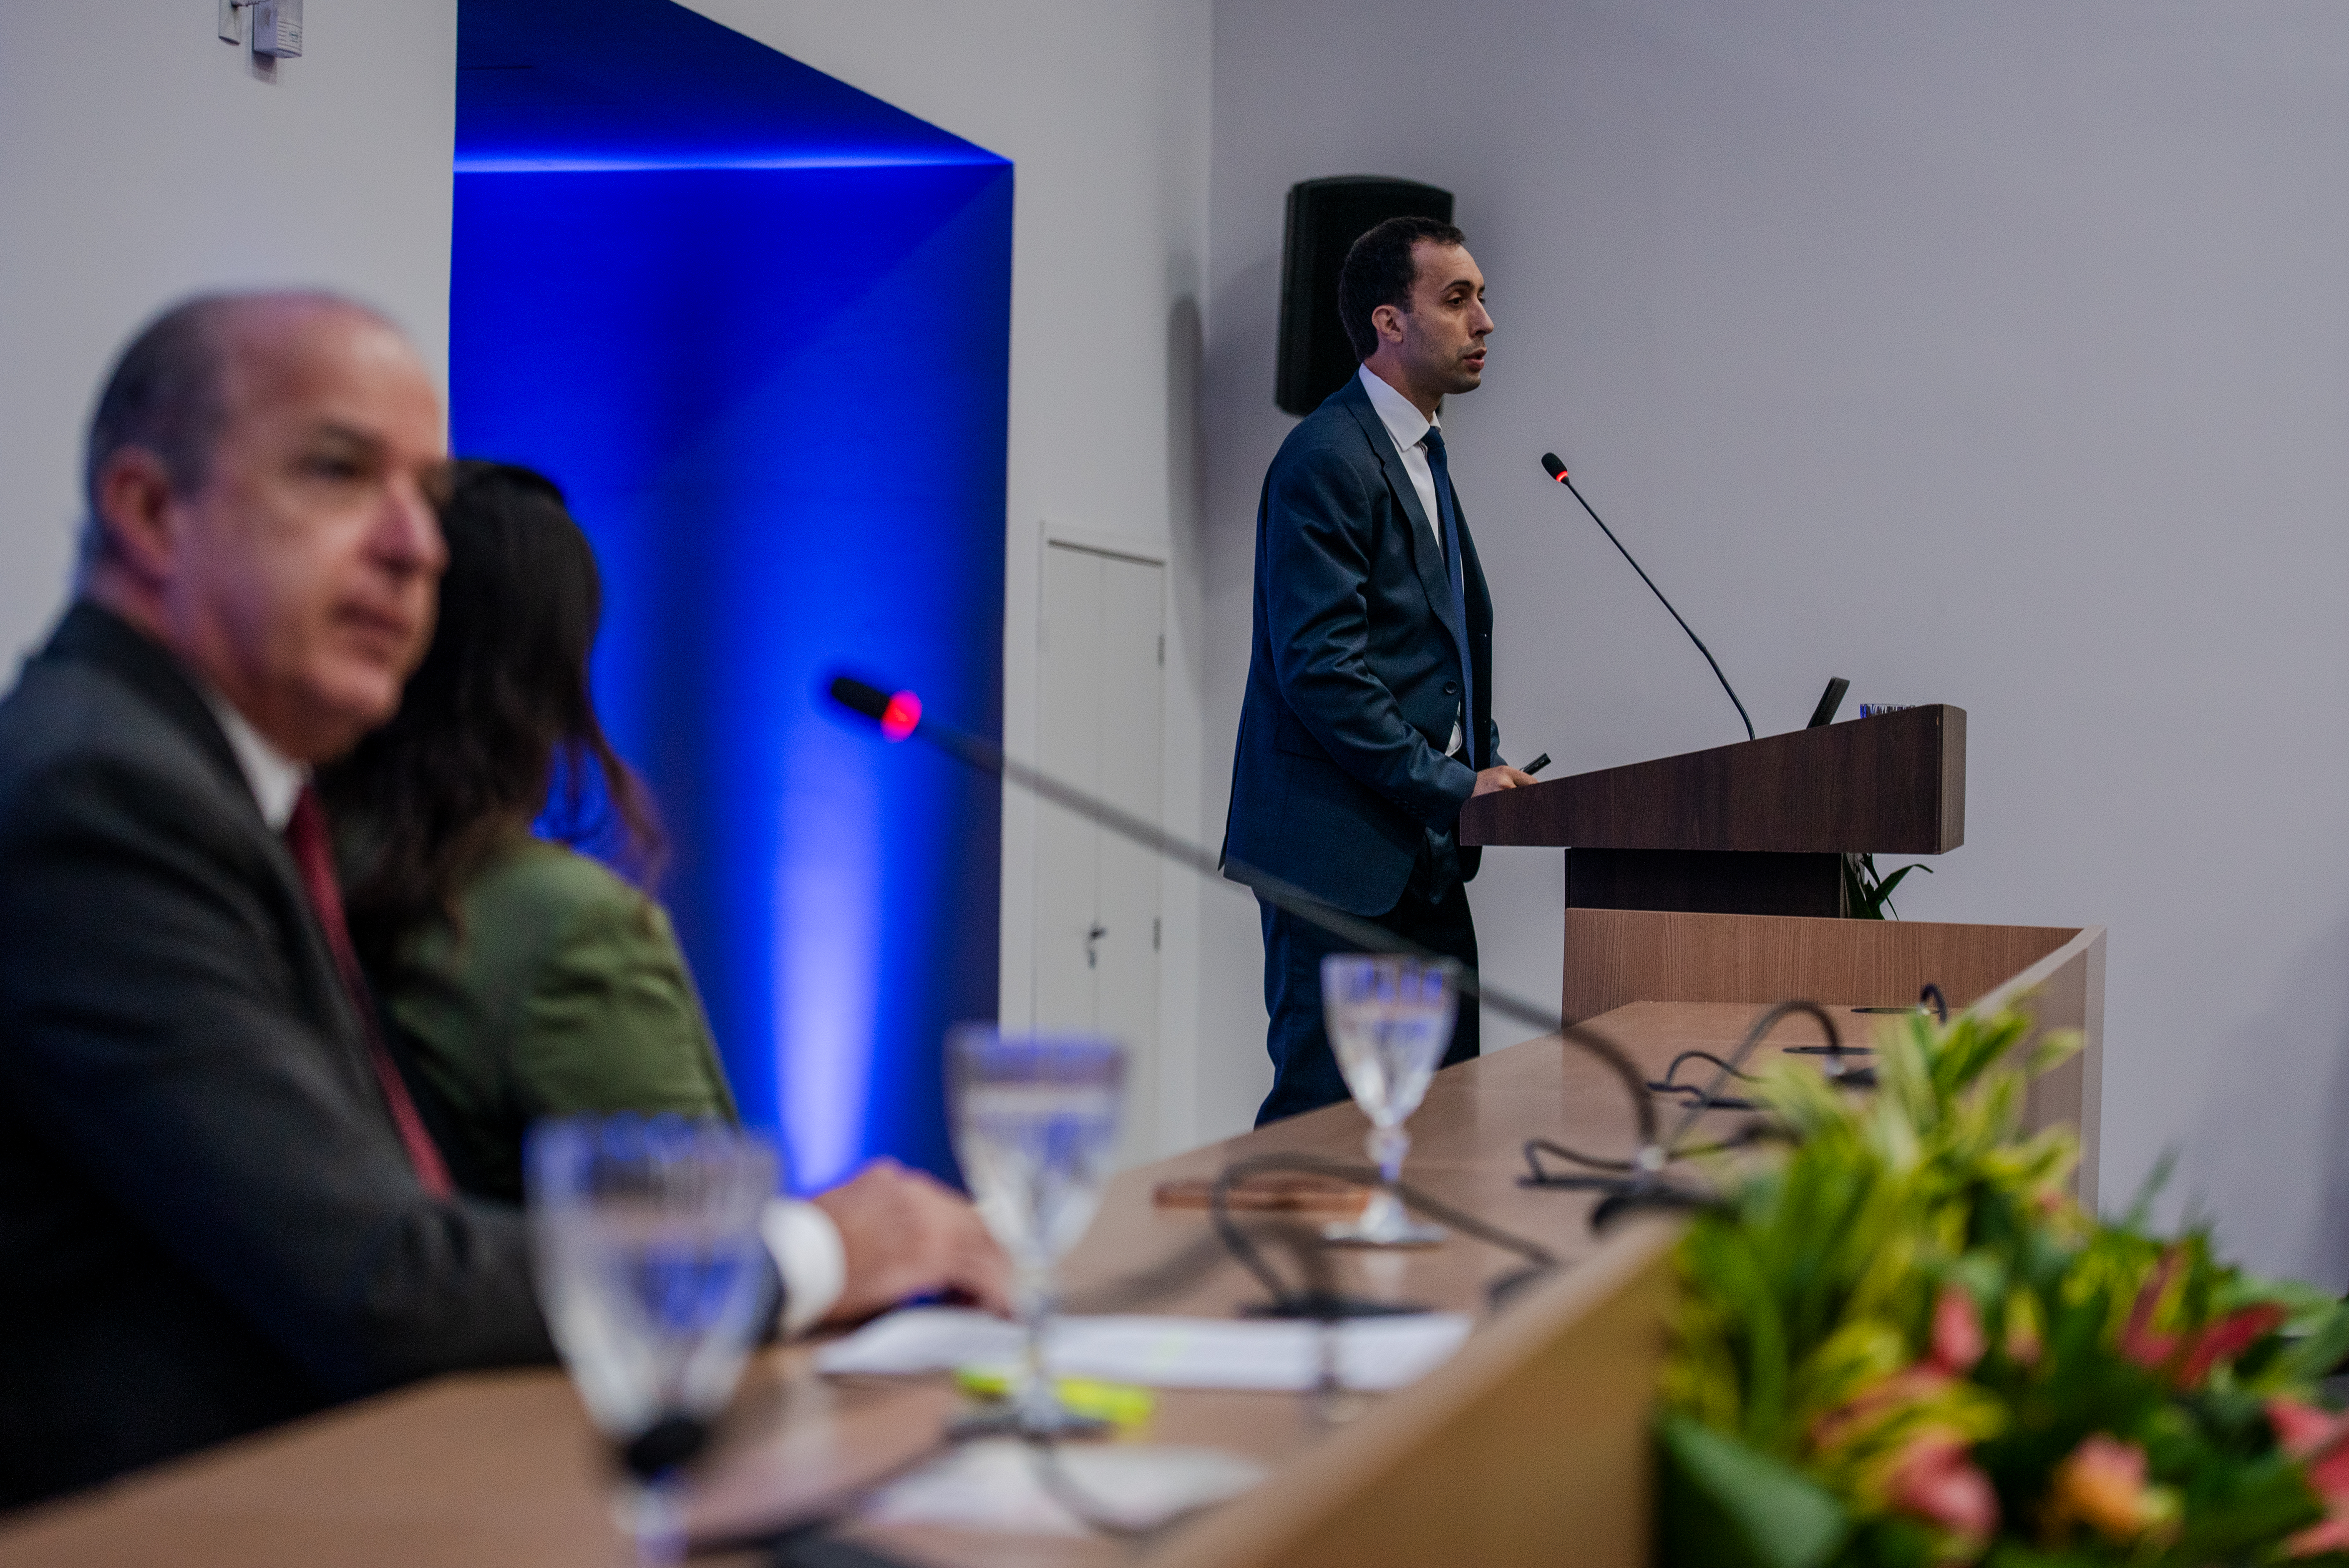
column 651, row 1265
column 1389, row 1018
column 1035, row 1127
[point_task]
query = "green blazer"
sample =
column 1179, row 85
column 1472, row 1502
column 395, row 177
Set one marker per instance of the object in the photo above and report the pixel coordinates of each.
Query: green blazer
column 562, row 991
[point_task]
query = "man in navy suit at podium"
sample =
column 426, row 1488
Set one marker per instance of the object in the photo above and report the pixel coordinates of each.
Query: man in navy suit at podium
column 1368, row 720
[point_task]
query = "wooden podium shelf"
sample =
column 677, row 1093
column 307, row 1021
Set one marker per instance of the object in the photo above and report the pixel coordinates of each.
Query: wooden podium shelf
column 1889, row 785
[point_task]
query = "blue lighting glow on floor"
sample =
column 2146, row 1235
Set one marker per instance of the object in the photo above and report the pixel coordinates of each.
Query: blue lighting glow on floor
column 757, row 324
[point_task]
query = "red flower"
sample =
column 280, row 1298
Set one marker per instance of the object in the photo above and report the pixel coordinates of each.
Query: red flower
column 2225, row 1340
column 1958, row 1341
column 2301, row 1429
column 2315, row 1436
column 2193, row 1355
column 2330, row 1533
column 1864, row 1410
column 2140, row 1341
column 2328, row 1472
column 1936, row 1481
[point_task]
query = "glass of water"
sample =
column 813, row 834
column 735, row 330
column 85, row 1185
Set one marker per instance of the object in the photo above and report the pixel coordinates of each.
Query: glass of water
column 653, row 1274
column 1035, row 1127
column 1389, row 1018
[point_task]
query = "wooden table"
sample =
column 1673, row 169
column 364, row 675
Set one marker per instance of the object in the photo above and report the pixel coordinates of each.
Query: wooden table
column 500, row 1470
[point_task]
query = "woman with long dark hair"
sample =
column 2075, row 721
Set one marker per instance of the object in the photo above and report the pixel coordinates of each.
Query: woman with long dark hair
column 524, row 978
column 521, row 978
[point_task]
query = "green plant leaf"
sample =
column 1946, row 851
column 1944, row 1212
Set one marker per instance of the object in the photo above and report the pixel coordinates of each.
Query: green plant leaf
column 2316, row 1353
column 2011, row 1555
column 2311, row 1306
column 2140, row 1213
column 1866, row 894
column 1723, row 1505
column 1884, row 888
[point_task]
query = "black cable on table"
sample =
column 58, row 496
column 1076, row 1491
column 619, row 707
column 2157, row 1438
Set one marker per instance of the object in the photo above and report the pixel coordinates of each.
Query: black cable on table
column 1755, row 1033
column 1639, row 1183
column 1292, row 1303
column 1670, row 1084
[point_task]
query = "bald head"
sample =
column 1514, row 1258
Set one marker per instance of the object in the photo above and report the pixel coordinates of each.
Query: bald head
column 260, row 474
column 168, row 393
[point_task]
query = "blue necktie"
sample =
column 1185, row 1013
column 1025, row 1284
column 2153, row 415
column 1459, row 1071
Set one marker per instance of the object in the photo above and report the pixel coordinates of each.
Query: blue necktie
column 1448, row 517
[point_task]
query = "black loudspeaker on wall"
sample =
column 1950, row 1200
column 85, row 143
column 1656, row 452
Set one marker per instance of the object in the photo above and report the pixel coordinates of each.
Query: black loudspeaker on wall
column 1325, row 216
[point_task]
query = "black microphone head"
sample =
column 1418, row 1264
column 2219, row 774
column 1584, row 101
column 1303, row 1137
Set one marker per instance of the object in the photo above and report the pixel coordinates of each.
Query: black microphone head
column 858, row 698
column 899, row 714
column 1556, row 469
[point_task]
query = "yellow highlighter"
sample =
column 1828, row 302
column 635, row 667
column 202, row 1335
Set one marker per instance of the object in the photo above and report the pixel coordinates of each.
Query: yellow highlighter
column 1120, row 1404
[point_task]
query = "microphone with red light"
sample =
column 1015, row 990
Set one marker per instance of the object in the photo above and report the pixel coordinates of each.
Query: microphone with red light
column 899, row 716
column 1550, row 461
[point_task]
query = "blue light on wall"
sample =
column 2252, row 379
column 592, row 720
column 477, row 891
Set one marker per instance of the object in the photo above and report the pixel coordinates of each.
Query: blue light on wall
column 757, row 324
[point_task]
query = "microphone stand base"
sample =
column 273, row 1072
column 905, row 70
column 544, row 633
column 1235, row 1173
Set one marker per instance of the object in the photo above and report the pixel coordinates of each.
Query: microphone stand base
column 1623, row 1194
column 1650, row 1195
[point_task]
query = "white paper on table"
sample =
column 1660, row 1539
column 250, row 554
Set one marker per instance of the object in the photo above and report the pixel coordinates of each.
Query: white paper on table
column 1277, row 1356
column 993, row 1484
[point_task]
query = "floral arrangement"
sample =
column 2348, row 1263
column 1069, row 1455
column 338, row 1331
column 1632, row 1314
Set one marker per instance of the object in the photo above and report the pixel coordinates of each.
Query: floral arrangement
column 1903, row 1343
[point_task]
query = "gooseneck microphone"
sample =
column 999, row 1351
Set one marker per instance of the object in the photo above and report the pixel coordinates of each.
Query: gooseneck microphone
column 1557, row 471
column 900, row 717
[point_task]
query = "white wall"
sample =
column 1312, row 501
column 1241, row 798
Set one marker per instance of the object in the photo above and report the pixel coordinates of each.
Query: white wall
column 1103, row 110
column 1993, row 354
column 141, row 159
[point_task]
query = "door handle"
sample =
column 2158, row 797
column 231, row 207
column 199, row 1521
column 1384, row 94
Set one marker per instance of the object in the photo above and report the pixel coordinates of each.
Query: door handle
column 1092, row 958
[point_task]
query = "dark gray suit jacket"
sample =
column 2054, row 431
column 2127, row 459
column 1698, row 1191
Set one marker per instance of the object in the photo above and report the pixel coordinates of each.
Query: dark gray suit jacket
column 207, row 1223
column 1339, row 774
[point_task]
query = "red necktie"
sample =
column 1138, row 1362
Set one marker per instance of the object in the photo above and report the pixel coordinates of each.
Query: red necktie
column 314, row 855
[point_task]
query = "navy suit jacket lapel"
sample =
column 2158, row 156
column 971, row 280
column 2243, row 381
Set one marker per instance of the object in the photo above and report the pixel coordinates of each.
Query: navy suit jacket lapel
column 1426, row 554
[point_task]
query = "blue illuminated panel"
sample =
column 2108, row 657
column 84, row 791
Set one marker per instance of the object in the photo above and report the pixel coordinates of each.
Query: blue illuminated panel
column 646, row 84
column 775, row 394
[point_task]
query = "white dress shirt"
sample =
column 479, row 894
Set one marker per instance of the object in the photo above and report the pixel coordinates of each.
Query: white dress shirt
column 275, row 779
column 806, row 1244
column 1409, row 427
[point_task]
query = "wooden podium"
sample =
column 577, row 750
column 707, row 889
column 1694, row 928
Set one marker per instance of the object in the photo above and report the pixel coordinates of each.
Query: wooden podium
column 1757, row 827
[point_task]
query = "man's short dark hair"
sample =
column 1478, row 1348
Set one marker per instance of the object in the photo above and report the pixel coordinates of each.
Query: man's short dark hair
column 1379, row 270
column 168, row 394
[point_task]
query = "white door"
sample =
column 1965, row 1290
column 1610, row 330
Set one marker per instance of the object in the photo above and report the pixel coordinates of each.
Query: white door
column 1097, row 916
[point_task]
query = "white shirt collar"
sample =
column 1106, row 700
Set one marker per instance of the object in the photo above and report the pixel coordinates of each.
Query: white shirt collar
column 1402, row 417
column 275, row 779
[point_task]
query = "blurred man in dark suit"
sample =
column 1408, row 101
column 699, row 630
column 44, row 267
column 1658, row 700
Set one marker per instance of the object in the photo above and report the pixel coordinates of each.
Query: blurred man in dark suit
column 1368, row 719
column 216, row 1209
column 220, row 1206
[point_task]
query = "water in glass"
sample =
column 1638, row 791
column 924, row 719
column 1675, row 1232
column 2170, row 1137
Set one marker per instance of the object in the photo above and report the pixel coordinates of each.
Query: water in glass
column 651, row 1266
column 1390, row 1019
column 1035, row 1127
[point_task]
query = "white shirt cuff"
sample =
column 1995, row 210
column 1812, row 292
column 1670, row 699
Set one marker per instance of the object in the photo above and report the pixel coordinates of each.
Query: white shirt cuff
column 809, row 1255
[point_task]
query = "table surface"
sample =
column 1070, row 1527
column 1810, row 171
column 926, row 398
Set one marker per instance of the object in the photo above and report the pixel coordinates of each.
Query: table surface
column 501, row 1469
